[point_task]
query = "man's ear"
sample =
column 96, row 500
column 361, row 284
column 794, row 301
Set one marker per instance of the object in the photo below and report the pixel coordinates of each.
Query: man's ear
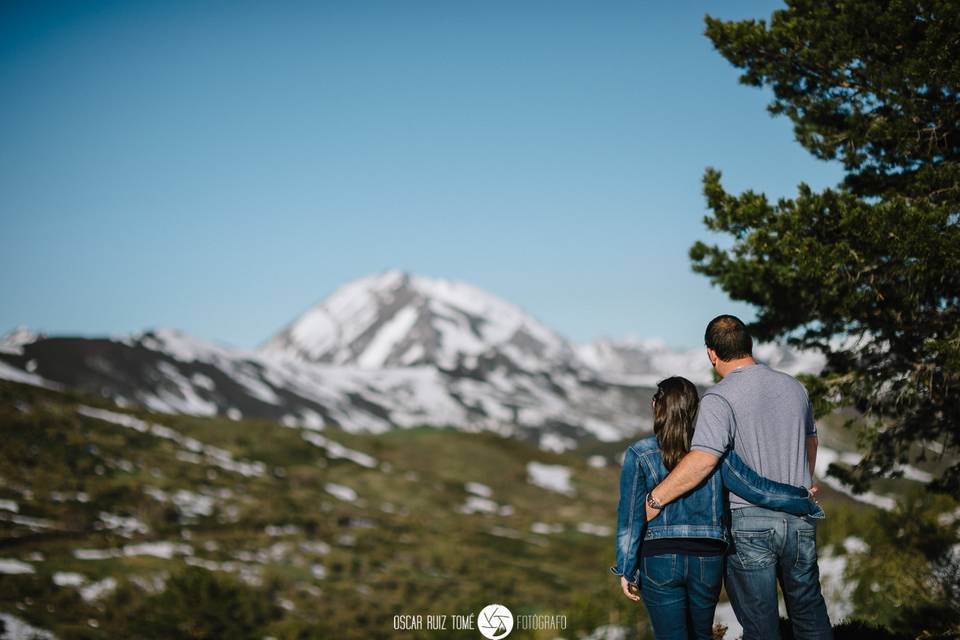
column 712, row 356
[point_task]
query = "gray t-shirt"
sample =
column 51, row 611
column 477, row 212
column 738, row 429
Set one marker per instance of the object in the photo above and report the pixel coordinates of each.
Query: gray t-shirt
column 765, row 415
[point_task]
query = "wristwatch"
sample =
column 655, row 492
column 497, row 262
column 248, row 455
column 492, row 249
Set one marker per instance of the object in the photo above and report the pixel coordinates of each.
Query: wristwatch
column 653, row 503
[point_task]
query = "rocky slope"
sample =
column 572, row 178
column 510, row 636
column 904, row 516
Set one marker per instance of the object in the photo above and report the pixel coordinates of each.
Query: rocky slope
column 394, row 349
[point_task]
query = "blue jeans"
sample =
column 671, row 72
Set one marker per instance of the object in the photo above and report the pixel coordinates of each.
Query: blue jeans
column 681, row 593
column 768, row 545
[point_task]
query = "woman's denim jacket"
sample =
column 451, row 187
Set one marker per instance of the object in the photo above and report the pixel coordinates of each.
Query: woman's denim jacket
column 700, row 513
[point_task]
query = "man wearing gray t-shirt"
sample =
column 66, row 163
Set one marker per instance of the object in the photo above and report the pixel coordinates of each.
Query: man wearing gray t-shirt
column 766, row 417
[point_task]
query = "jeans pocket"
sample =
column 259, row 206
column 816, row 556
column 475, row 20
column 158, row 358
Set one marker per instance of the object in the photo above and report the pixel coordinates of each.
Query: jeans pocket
column 660, row 570
column 711, row 570
column 754, row 549
column 806, row 549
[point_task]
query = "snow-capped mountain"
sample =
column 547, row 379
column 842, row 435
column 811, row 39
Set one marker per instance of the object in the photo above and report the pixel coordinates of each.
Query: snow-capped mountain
column 389, row 350
column 397, row 319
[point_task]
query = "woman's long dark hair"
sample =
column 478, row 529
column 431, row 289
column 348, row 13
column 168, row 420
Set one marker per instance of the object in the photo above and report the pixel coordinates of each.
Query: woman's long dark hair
column 674, row 410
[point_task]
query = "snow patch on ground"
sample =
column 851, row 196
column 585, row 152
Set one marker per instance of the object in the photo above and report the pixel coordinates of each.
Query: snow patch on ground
column 124, row 525
column 13, row 566
column 556, row 443
column 553, row 477
column 189, row 503
column 341, row 492
column 316, row 547
column 276, row 530
column 594, row 529
column 97, row 590
column 8, row 372
column 250, row 574
column 609, row 632
column 479, row 489
column 68, row 579
column 336, row 450
column 212, row 455
column 27, row 521
column 477, row 504
column 165, row 550
column 597, row 462
column 17, row 629
column 545, row 529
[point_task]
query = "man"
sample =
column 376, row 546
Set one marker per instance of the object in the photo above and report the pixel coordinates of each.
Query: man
column 766, row 417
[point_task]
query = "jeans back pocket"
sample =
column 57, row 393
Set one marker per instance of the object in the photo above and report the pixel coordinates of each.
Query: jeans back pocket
column 754, row 549
column 660, row 570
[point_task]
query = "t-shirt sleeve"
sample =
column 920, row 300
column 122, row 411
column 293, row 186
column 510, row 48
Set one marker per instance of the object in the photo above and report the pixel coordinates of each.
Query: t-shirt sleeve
column 811, row 426
column 714, row 429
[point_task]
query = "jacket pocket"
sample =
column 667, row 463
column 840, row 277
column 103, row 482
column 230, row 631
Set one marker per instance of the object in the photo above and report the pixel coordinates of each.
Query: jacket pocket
column 660, row 570
column 754, row 549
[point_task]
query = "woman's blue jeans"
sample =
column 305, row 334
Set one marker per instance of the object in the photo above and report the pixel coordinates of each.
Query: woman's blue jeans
column 681, row 592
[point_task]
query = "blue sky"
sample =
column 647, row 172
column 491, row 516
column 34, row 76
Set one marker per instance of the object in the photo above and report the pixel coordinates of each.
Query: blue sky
column 220, row 166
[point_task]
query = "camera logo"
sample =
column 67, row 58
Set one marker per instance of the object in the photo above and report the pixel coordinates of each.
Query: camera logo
column 495, row 621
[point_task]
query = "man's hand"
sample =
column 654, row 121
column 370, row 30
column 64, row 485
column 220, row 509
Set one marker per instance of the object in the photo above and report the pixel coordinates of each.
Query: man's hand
column 628, row 589
column 652, row 513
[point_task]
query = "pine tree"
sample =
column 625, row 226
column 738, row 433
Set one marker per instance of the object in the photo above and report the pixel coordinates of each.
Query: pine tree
column 868, row 271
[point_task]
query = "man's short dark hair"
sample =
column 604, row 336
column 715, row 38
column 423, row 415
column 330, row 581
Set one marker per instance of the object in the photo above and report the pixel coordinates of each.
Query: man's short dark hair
column 728, row 337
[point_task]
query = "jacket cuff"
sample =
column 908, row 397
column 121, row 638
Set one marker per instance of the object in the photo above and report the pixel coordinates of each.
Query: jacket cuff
column 635, row 582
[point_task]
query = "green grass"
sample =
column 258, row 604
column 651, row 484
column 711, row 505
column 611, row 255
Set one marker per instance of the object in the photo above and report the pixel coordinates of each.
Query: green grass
column 331, row 568
column 402, row 547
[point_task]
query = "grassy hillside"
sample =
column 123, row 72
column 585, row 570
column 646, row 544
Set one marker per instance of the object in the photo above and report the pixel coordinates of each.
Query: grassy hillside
column 328, row 540
column 122, row 523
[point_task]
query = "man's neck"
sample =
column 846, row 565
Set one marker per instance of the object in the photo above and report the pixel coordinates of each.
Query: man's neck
column 724, row 368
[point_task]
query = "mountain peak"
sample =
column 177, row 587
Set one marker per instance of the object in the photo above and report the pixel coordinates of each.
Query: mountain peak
column 396, row 319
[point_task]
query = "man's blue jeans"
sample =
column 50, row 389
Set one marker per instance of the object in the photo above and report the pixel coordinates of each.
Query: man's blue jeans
column 681, row 592
column 768, row 545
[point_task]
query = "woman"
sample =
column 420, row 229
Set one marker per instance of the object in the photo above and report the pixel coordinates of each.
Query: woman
column 676, row 561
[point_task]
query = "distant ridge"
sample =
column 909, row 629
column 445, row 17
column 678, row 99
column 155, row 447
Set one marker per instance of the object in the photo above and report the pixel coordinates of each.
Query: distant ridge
column 384, row 351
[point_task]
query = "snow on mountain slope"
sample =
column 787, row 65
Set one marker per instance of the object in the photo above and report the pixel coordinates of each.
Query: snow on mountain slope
column 644, row 362
column 388, row 350
column 13, row 341
column 169, row 371
column 399, row 319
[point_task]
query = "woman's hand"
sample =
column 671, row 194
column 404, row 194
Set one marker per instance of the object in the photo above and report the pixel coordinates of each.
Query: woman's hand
column 629, row 590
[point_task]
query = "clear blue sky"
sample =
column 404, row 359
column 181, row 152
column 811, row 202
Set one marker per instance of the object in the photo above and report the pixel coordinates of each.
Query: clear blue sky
column 220, row 166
